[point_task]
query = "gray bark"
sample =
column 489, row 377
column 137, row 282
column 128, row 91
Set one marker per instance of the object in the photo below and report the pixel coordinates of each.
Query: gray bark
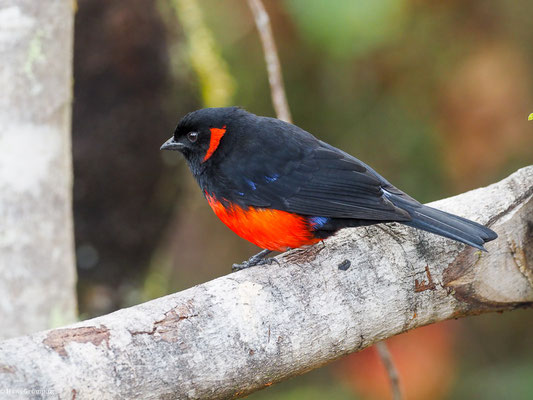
column 37, row 274
column 244, row 331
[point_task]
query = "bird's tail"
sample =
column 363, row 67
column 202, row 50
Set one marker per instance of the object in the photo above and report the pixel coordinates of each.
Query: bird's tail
column 444, row 224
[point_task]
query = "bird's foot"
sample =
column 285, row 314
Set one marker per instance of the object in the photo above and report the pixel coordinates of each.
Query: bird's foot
column 258, row 259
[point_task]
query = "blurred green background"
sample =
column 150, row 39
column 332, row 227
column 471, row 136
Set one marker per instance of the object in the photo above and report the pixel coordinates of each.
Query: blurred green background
column 434, row 94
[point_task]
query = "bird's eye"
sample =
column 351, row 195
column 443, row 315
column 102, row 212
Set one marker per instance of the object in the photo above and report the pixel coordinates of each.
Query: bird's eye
column 192, row 136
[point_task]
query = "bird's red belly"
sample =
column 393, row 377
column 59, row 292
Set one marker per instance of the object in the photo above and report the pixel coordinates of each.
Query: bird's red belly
column 267, row 228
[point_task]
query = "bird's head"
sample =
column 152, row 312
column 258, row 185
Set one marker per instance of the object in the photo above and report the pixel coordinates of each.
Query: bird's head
column 201, row 134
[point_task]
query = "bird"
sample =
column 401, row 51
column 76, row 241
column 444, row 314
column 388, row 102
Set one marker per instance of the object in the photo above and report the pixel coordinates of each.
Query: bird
column 279, row 187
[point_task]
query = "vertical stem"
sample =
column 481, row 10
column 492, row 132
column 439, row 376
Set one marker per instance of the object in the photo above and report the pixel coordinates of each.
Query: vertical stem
column 386, row 358
column 279, row 99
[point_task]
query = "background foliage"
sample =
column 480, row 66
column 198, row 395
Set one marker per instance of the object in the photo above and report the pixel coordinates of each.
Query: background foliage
column 435, row 95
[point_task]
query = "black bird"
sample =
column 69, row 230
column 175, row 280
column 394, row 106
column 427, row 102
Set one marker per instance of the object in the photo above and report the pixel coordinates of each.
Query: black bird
column 279, row 187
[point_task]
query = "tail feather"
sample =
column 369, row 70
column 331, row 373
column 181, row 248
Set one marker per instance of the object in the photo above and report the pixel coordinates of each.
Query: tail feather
column 444, row 224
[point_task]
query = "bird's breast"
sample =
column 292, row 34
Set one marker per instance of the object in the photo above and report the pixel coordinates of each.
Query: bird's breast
column 267, row 228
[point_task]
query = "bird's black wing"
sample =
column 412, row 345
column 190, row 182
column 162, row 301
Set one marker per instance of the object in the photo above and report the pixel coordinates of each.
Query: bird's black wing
column 303, row 175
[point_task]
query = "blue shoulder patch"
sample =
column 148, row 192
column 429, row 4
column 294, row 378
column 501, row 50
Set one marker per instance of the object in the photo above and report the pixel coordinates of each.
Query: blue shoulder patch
column 272, row 178
column 318, row 222
column 250, row 183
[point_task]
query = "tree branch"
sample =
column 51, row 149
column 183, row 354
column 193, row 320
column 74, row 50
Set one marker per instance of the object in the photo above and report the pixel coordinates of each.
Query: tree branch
column 244, row 331
column 279, row 99
column 386, row 358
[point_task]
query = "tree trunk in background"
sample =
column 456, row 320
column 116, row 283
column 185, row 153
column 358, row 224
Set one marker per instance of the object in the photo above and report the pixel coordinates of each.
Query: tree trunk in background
column 37, row 274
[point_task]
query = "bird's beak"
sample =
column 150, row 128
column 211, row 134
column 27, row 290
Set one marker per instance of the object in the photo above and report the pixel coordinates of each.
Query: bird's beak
column 171, row 144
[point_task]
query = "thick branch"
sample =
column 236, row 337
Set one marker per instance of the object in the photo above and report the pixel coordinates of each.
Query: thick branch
column 244, row 331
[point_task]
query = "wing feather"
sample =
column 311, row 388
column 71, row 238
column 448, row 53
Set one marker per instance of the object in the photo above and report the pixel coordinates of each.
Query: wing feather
column 316, row 180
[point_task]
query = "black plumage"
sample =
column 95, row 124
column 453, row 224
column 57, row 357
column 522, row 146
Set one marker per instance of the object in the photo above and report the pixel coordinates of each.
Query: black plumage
column 267, row 163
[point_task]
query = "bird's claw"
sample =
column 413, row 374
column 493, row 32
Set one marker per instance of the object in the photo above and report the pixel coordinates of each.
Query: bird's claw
column 252, row 262
column 239, row 267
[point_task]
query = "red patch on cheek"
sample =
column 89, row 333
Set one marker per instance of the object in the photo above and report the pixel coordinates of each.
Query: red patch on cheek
column 214, row 141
